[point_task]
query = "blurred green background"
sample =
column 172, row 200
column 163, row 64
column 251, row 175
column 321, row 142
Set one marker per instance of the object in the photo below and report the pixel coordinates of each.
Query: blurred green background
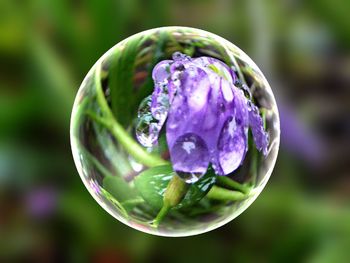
column 46, row 49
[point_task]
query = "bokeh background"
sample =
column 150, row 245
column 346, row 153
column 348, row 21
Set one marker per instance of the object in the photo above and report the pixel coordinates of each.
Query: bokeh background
column 46, row 49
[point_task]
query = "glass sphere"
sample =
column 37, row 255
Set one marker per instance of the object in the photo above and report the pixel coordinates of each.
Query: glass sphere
column 175, row 131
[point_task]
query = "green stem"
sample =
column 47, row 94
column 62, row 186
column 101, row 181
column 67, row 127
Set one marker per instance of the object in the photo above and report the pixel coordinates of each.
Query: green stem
column 133, row 202
column 108, row 120
column 254, row 166
column 160, row 216
column 229, row 183
column 174, row 193
column 133, row 148
column 97, row 118
column 222, row 194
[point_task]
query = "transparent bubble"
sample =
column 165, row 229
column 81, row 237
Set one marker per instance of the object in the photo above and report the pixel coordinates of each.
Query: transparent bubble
column 120, row 143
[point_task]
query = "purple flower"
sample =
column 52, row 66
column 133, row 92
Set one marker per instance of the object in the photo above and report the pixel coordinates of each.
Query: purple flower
column 206, row 116
column 41, row 202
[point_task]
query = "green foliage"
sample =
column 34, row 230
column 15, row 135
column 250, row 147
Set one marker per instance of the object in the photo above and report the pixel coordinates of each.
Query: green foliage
column 36, row 102
column 118, row 188
column 125, row 95
column 121, row 75
column 153, row 182
column 198, row 190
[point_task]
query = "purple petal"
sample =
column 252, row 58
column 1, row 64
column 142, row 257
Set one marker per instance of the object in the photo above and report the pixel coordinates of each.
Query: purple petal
column 226, row 89
column 216, row 66
column 188, row 108
column 196, row 85
column 202, row 106
column 207, row 116
column 232, row 142
column 261, row 138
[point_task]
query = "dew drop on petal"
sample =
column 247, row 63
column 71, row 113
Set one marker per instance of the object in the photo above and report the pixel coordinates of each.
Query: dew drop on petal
column 161, row 71
column 146, row 131
column 160, row 100
column 232, row 146
column 147, row 127
column 190, row 157
column 144, row 107
column 180, row 56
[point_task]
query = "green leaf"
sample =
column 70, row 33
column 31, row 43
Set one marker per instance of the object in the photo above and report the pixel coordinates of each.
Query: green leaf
column 153, row 182
column 125, row 97
column 118, row 188
column 117, row 159
column 121, row 74
column 198, row 190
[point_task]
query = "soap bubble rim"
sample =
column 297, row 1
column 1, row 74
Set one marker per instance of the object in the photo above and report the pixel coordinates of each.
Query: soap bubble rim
column 257, row 190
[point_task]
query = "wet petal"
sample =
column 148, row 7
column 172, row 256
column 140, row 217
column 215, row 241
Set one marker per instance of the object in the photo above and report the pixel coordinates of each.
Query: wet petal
column 226, row 89
column 241, row 107
column 261, row 138
column 188, row 109
column 201, row 106
column 207, row 112
column 163, row 93
column 214, row 66
column 196, row 85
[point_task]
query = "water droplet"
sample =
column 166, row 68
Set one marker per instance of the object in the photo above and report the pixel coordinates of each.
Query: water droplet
column 147, row 127
column 190, row 157
column 180, row 56
column 144, row 107
column 147, row 130
column 161, row 71
column 246, row 91
column 232, row 146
